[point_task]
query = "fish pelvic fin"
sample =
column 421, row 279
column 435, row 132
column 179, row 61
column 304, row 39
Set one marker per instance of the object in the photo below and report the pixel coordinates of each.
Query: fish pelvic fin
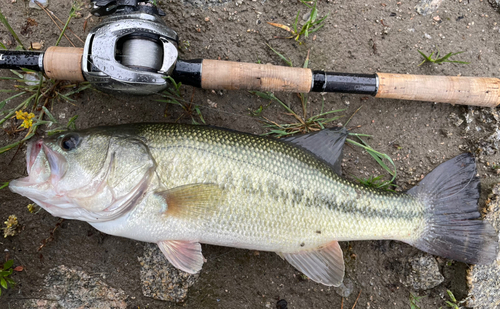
column 192, row 200
column 454, row 228
column 324, row 265
column 184, row 255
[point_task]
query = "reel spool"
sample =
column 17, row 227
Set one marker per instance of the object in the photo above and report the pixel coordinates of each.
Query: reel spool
column 134, row 50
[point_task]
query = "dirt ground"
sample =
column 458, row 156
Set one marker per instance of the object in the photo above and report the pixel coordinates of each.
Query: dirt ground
column 359, row 37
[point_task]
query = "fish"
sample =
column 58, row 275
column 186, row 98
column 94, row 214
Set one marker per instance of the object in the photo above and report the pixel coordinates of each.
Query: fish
column 182, row 185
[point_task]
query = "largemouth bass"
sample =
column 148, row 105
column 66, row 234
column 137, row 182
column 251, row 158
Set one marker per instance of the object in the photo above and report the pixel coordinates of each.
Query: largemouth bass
column 181, row 185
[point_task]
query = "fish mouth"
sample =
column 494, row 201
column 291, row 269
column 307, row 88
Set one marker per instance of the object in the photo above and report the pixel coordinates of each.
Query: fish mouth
column 43, row 165
column 32, row 152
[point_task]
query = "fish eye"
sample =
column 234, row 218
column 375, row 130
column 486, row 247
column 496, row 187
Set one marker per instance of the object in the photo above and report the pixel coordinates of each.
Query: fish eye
column 70, row 142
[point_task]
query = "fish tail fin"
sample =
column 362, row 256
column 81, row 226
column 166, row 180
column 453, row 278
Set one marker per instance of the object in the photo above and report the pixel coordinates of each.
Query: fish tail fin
column 454, row 229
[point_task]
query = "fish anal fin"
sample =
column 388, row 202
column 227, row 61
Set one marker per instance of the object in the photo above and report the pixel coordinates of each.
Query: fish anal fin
column 324, row 265
column 326, row 144
column 184, row 255
column 192, row 200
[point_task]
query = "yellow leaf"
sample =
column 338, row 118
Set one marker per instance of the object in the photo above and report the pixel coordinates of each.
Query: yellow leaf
column 282, row 27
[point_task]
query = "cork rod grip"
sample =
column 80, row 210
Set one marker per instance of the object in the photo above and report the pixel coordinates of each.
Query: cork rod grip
column 217, row 74
column 478, row 91
column 63, row 63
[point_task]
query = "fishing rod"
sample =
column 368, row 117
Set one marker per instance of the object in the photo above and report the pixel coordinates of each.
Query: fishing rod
column 133, row 51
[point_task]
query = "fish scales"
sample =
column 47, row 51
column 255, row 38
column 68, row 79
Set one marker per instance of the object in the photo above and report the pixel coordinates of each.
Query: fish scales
column 275, row 189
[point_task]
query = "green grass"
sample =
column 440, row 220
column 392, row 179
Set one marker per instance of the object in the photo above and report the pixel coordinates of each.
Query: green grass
column 441, row 60
column 312, row 24
column 5, row 272
column 302, row 122
column 454, row 304
column 11, row 31
column 377, row 182
column 173, row 96
column 36, row 96
column 381, row 158
column 75, row 7
column 414, row 301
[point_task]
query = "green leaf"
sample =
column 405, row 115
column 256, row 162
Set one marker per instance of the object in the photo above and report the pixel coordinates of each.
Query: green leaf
column 295, row 24
column 289, row 62
column 452, row 297
column 6, row 24
column 3, row 283
column 71, row 123
column 8, row 264
column 9, row 280
column 4, row 185
column 51, row 117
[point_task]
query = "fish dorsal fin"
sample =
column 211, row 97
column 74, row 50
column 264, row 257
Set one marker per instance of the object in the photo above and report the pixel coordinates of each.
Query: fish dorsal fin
column 192, row 200
column 324, row 265
column 326, row 144
column 184, row 255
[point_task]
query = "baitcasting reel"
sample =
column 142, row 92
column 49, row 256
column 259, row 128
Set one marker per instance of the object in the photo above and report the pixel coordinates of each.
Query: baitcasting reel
column 132, row 50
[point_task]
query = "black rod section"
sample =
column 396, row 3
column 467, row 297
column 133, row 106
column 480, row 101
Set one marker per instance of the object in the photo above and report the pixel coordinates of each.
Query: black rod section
column 345, row 82
column 16, row 59
column 188, row 72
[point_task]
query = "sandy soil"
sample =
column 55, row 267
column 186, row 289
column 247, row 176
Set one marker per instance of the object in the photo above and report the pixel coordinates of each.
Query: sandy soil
column 359, row 36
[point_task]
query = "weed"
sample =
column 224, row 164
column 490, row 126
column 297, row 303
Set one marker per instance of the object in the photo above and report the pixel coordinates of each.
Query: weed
column 377, row 183
column 258, row 111
column 75, row 7
column 441, row 60
column 453, row 303
column 380, row 158
column 36, row 93
column 4, row 185
column 39, row 93
column 173, row 96
column 5, row 273
column 304, row 123
column 11, row 226
column 9, row 28
column 414, row 301
column 313, row 24
column 285, row 59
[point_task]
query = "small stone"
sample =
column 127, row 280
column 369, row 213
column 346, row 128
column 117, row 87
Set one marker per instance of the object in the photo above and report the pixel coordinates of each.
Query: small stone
column 422, row 273
column 71, row 289
column 160, row 279
column 483, row 280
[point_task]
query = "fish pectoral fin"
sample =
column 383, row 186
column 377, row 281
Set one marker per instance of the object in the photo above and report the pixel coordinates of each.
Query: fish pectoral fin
column 184, row 255
column 192, row 200
column 324, row 265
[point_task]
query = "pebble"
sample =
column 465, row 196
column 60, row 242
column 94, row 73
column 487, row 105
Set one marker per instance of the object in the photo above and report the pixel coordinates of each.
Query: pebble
column 422, row 273
column 160, row 279
column 483, row 280
column 70, row 288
